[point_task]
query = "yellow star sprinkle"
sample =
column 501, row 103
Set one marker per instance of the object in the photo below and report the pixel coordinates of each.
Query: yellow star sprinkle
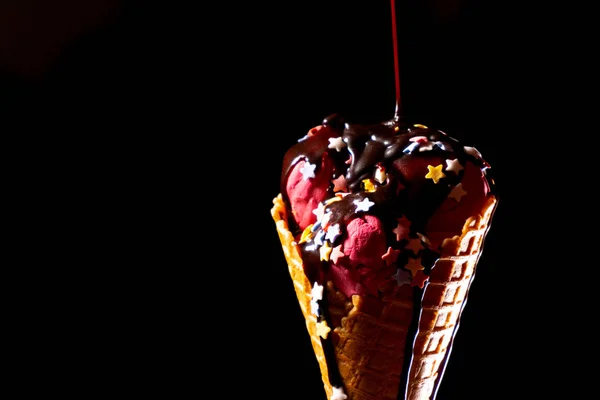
column 323, row 329
column 435, row 173
column 307, row 234
column 368, row 184
column 325, row 251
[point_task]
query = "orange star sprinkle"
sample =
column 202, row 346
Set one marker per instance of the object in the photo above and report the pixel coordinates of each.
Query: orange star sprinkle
column 339, row 184
column 414, row 265
column 323, row 329
column 390, row 256
column 419, row 279
column 435, row 173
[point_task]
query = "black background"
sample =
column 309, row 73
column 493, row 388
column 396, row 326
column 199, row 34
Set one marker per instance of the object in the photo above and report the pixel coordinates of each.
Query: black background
column 157, row 135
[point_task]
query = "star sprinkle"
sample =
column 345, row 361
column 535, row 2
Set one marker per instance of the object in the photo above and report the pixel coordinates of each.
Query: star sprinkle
column 402, row 277
column 338, row 394
column 317, row 292
column 363, row 205
column 390, row 256
column 457, row 192
column 419, row 279
column 453, row 166
column 402, row 228
column 336, row 143
column 380, row 174
column 339, row 184
column 435, row 173
column 325, row 251
column 332, row 232
column 322, row 329
column 368, row 185
column 307, row 234
column 414, row 265
column 308, row 170
column 336, row 254
column 319, row 211
column 414, row 245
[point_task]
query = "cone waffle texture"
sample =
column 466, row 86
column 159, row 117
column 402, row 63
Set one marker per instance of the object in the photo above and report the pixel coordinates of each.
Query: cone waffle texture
column 370, row 334
column 443, row 301
column 301, row 285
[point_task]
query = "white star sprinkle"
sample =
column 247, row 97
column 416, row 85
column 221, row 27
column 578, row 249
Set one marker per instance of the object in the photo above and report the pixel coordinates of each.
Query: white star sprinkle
column 319, row 211
column 308, row 170
column 457, row 193
column 453, row 166
column 336, row 143
column 333, row 232
column 363, row 205
column 317, row 292
column 338, row 394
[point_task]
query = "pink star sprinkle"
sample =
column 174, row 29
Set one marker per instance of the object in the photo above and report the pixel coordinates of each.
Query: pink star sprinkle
column 336, row 254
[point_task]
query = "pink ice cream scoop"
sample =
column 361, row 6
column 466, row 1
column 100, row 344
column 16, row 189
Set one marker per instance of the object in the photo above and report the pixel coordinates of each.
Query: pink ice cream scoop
column 307, row 183
column 382, row 188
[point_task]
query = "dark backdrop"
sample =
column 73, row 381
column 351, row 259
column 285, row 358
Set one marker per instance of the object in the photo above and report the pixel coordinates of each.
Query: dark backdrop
column 157, row 135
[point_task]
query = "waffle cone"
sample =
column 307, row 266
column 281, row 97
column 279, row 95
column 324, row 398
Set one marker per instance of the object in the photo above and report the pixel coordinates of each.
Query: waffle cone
column 369, row 334
column 301, row 285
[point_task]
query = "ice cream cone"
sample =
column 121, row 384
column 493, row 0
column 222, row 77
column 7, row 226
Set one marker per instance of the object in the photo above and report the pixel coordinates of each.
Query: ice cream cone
column 370, row 335
column 302, row 285
column 443, row 301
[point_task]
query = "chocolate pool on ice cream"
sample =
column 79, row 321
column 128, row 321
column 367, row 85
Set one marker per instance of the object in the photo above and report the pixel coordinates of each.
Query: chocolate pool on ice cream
column 382, row 227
